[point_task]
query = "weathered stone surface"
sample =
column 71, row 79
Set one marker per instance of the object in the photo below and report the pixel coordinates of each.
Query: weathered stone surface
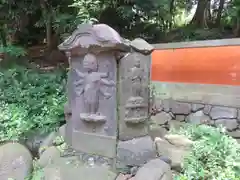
column 230, row 124
column 124, row 176
column 142, row 46
column 49, row 156
column 178, row 140
column 154, row 170
column 92, row 85
column 207, row 109
column 89, row 143
column 166, row 105
column 180, row 108
column 175, row 153
column 176, row 124
column 197, row 107
column 47, row 142
column 158, row 105
column 136, row 151
column 62, row 131
column 218, row 112
column 180, row 118
column 15, row 161
column 157, row 131
column 34, row 141
column 88, row 36
column 74, row 172
column 161, row 118
column 198, row 118
column 133, row 88
column 235, row 134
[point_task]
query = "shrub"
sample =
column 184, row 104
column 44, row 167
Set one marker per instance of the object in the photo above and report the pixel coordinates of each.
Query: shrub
column 214, row 156
column 30, row 100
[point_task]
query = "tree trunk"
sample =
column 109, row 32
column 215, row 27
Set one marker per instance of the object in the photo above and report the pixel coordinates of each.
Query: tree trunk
column 200, row 19
column 49, row 31
column 171, row 13
column 48, row 25
column 237, row 28
column 219, row 12
column 3, row 37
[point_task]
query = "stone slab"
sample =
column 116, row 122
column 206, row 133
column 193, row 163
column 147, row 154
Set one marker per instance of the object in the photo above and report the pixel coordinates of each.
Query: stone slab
column 134, row 75
column 94, row 144
column 223, row 95
column 135, row 152
column 70, row 172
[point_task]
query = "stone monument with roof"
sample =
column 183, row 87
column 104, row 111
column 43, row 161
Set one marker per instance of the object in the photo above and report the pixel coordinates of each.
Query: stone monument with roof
column 108, row 96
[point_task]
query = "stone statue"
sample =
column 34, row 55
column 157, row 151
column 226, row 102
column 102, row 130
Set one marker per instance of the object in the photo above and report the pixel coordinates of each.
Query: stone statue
column 90, row 85
column 135, row 104
column 136, row 78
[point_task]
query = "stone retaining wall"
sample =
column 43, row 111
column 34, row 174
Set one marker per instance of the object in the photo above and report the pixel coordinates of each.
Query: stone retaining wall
column 171, row 113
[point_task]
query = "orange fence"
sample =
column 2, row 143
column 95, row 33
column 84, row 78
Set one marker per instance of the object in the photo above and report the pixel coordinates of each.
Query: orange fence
column 203, row 65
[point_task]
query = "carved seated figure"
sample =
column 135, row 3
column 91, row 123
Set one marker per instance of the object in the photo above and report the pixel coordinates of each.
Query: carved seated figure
column 90, row 85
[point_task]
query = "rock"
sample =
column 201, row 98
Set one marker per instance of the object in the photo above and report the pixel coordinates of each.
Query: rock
column 157, row 131
column 49, row 156
column 161, row 118
column 176, row 124
column 135, row 152
column 134, row 170
column 34, row 142
column 62, row 130
column 15, row 161
column 180, row 108
column 178, row 140
column 141, row 46
column 73, row 172
column 198, row 118
column 207, row 109
column 166, row 160
column 154, row 170
column 235, row 134
column 218, row 112
column 230, row 124
column 175, row 153
column 197, row 107
column 166, row 105
column 180, row 118
column 123, row 176
column 47, row 142
column 158, row 106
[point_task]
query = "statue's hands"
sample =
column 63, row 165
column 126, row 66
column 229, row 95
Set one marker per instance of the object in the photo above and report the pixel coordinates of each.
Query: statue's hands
column 107, row 95
column 112, row 83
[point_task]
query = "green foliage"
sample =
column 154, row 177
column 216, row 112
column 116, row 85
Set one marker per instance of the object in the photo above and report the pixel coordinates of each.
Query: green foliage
column 30, row 101
column 214, row 155
column 11, row 50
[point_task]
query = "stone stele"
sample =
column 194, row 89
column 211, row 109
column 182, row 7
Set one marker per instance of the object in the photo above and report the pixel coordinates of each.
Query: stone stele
column 92, row 51
column 108, row 94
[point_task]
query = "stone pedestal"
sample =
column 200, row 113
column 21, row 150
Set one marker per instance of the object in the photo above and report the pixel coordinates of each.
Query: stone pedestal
column 108, row 95
column 135, row 147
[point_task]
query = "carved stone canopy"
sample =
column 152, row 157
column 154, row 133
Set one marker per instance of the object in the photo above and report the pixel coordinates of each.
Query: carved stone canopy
column 93, row 38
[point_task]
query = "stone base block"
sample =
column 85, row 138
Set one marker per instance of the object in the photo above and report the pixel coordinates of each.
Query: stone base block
column 135, row 152
column 94, row 144
column 70, row 172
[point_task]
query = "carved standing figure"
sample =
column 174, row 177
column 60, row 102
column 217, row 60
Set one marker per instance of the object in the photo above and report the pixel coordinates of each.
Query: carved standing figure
column 91, row 84
column 136, row 78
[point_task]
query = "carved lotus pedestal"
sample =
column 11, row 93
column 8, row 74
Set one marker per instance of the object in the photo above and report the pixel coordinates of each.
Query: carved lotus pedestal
column 108, row 98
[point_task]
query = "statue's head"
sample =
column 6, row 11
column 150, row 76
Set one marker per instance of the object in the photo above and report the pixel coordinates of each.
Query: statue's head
column 137, row 63
column 90, row 62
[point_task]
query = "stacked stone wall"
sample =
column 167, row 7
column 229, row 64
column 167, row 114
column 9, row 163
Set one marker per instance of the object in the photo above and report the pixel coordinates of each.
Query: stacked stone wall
column 173, row 114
